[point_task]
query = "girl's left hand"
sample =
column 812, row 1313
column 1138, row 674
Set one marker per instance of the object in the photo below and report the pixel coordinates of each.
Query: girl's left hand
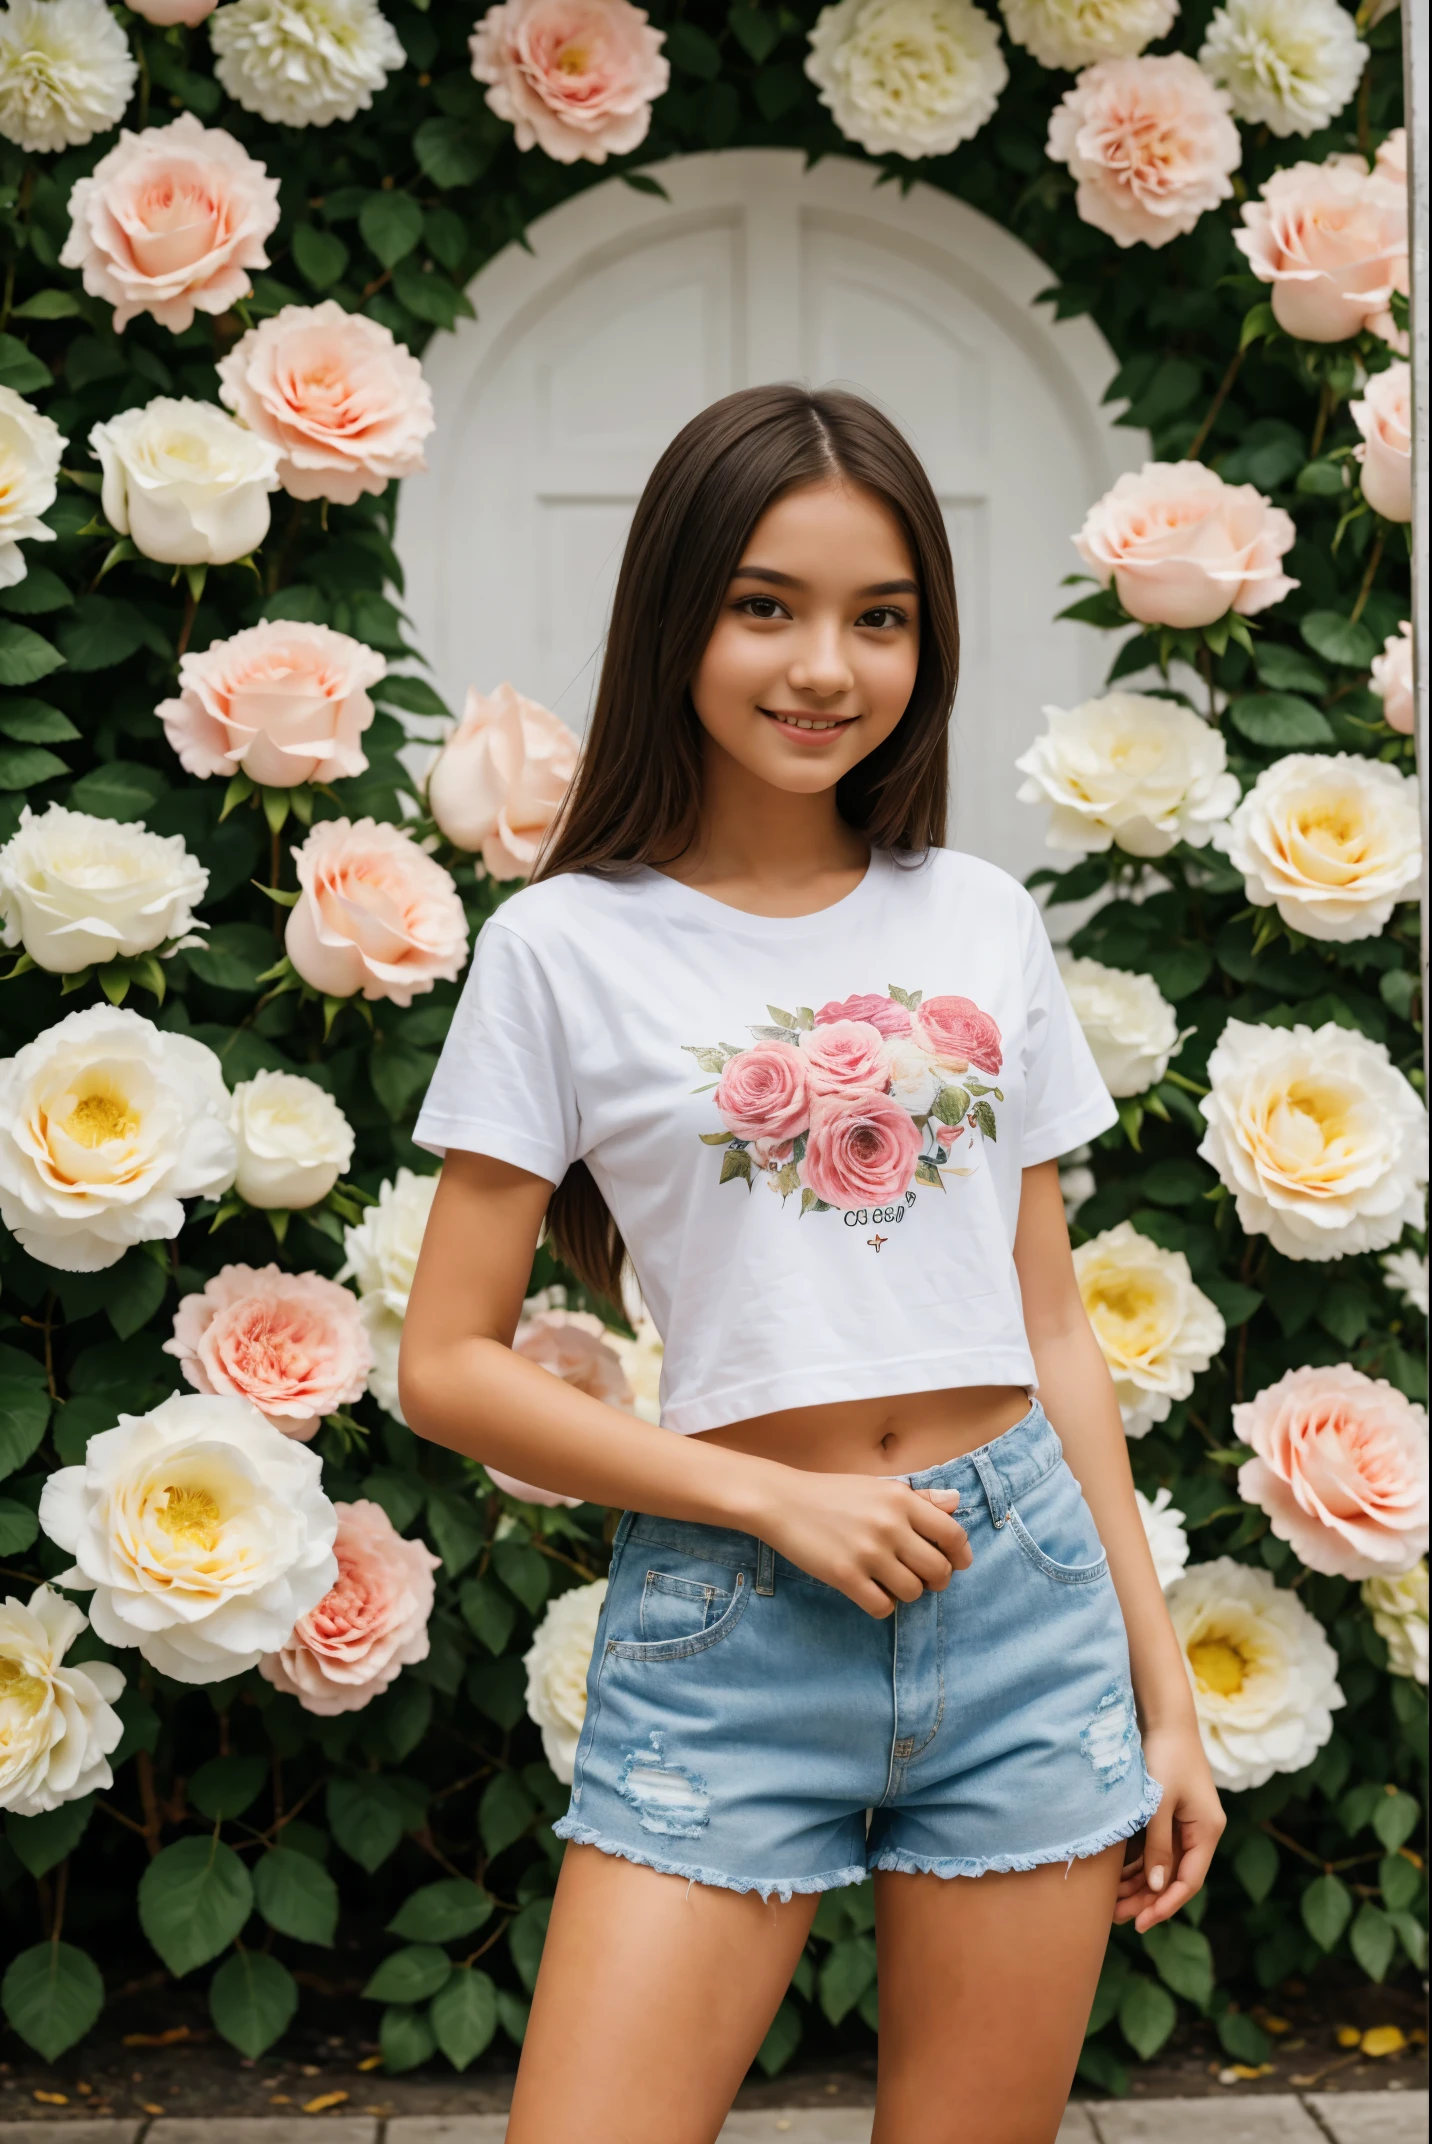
column 1179, row 1842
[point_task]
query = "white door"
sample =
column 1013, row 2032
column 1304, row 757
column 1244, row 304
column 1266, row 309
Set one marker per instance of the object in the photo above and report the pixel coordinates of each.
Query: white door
column 631, row 312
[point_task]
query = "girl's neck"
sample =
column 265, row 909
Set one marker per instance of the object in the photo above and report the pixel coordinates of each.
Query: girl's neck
column 770, row 851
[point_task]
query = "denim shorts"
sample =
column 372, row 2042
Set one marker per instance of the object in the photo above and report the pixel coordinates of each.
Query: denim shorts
column 748, row 1726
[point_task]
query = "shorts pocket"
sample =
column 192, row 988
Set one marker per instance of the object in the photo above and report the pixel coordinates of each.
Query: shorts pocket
column 659, row 1602
column 673, row 1607
column 1055, row 1529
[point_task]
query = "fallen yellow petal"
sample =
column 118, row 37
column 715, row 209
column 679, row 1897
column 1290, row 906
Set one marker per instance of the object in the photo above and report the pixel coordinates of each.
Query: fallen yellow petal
column 1383, row 2040
column 371, row 2062
column 1275, row 2025
column 1244, row 2073
column 324, row 2101
column 1349, row 2036
column 51, row 2099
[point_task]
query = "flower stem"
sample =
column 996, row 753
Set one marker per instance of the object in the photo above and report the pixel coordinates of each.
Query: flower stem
column 1200, row 437
column 1325, row 410
column 1374, row 560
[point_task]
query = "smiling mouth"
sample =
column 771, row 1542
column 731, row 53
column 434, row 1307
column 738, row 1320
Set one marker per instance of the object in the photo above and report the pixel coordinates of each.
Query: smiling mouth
column 808, row 727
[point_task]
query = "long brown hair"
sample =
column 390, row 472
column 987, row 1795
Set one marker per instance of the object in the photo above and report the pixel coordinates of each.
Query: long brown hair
column 636, row 797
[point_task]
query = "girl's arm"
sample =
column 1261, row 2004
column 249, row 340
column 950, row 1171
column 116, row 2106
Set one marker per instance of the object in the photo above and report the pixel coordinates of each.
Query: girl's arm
column 462, row 1386
column 1078, row 1393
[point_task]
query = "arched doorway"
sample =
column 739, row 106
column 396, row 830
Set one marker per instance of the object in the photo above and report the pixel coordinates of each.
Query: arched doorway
column 632, row 311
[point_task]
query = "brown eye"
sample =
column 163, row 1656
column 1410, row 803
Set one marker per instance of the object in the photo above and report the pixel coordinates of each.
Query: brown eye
column 761, row 607
column 885, row 617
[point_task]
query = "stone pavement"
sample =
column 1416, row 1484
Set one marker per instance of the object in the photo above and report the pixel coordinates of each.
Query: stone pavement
column 1313, row 2118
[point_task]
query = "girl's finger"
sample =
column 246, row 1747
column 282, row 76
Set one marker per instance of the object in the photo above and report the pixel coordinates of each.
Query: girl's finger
column 1159, row 1858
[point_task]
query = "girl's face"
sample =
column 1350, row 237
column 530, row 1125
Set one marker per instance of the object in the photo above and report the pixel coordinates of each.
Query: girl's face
column 813, row 658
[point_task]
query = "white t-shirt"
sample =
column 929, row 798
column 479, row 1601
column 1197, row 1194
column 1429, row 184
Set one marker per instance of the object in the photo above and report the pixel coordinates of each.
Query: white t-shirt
column 809, row 1129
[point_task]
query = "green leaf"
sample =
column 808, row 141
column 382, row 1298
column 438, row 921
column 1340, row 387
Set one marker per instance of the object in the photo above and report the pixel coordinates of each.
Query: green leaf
column 735, row 1166
column 526, row 1937
column 488, row 1614
column 252, row 2000
column 40, row 592
column 758, row 34
column 950, row 1105
column 1395, row 1819
column 297, row 1896
column 786, row 2029
column 134, row 1290
column 321, row 255
column 101, row 632
column 18, row 1527
column 51, row 1995
column 1182, row 1959
column 1399, row 1881
column 405, row 2037
column 498, row 1689
column 1243, row 2038
column 464, row 2016
column 80, row 1419
column 366, row 1817
column 1147, row 2015
column 24, row 1412
column 505, row 1811
column 1338, row 639
column 414, row 694
column 1322, row 479
column 448, row 152
column 26, row 766
column 1234, row 1302
column 441, row 1912
column 49, row 305
column 1103, row 610
column 35, row 722
column 513, row 2014
column 1280, row 720
column 1373, row 1940
column 20, row 369
column 41, row 1843
column 985, row 1119
column 227, row 1786
column 1414, row 1938
column 120, row 790
column 1113, row 1973
column 25, row 657
column 524, row 1572
column 692, row 51
column 233, row 957
column 1285, row 669
column 410, row 1975
column 391, row 224
column 846, row 1974
column 778, row 89
column 429, row 294
column 194, row 1899
column 399, row 1073
column 457, row 1530
column 1326, row 1910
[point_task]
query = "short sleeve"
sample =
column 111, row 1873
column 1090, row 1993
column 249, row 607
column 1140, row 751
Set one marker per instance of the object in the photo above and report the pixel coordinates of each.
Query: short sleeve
column 504, row 1083
column 1065, row 1099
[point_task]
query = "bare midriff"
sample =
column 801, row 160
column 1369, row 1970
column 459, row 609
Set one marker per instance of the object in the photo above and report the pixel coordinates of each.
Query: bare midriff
column 902, row 1434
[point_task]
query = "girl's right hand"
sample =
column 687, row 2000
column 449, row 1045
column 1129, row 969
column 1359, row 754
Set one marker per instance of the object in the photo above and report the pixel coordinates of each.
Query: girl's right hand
column 872, row 1537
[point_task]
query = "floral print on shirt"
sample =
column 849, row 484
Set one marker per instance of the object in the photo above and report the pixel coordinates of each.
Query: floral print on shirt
column 856, row 1104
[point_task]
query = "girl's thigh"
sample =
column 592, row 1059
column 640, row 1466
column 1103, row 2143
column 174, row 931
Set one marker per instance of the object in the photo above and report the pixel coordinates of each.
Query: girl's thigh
column 653, row 1997
column 985, row 1989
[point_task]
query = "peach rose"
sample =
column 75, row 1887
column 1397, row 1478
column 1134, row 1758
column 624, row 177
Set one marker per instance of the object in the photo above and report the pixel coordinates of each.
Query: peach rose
column 1182, row 547
column 1392, row 679
column 370, row 1624
column 1390, row 163
column 1332, row 243
column 957, row 1035
column 346, row 405
column 1384, row 418
column 763, row 1092
column 292, row 1344
column 164, row 13
column 500, row 779
column 1151, row 145
column 574, row 1346
column 1341, row 1470
column 170, row 222
column 882, row 1013
column 375, row 914
column 576, row 78
column 845, row 1057
column 861, row 1150
column 284, row 701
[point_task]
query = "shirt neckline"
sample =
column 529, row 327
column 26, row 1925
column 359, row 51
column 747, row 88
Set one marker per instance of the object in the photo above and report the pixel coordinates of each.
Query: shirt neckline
column 723, row 915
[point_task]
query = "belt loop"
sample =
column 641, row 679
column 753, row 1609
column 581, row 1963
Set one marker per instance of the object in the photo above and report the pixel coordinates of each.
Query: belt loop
column 765, row 1568
column 993, row 1487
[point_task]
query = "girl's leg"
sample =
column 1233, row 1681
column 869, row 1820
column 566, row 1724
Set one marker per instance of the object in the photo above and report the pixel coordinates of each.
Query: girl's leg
column 985, row 1989
column 653, row 1997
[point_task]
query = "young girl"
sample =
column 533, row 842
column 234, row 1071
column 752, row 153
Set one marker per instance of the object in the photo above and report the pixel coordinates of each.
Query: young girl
column 756, row 1031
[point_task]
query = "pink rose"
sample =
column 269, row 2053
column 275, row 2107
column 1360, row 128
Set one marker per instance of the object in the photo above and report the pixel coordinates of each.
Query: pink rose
column 957, row 1035
column 845, row 1057
column 763, row 1092
column 169, row 223
column 500, row 779
column 881, row 1013
column 346, row 405
column 576, row 78
column 861, row 1150
column 1151, row 145
column 1341, row 1470
column 374, row 913
column 1390, row 162
column 286, row 702
column 1332, row 243
column 1182, row 547
column 573, row 1345
column 370, row 1625
column 292, row 1344
column 164, row 13
column 1392, row 678
column 1384, row 418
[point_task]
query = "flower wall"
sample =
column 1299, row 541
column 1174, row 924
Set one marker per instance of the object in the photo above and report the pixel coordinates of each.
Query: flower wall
column 287, row 1698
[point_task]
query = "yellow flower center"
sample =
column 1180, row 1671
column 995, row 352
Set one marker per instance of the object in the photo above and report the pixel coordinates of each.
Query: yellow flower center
column 20, row 1692
column 99, row 1117
column 191, row 1516
column 1128, row 1313
column 1219, row 1666
column 572, row 59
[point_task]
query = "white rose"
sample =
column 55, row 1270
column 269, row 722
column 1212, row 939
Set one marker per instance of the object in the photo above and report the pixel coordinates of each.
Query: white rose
column 1164, row 1531
column 907, row 77
column 1264, row 1676
column 1319, row 1137
column 1155, row 1329
column 914, row 1079
column 1076, row 33
column 185, row 482
column 1288, row 65
column 382, row 1258
column 106, row 1123
column 303, row 63
column 1331, row 840
column 76, row 889
column 641, row 1359
column 1398, row 1607
column 204, row 1532
column 65, row 73
column 1077, row 1182
column 1405, row 1273
column 556, row 1662
column 1129, row 770
column 1128, row 1023
column 294, row 1141
column 57, row 1724
column 31, row 447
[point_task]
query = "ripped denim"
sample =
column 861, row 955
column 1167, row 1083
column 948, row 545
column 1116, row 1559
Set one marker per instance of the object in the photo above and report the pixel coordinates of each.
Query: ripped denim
column 748, row 1726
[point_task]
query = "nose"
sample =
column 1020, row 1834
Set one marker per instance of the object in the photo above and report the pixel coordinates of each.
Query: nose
column 821, row 666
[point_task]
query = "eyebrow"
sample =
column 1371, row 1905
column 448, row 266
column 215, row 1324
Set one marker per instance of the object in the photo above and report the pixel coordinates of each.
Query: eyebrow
column 790, row 580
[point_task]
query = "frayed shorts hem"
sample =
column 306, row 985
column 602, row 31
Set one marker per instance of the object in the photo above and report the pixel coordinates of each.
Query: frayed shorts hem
column 901, row 1862
column 782, row 1887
